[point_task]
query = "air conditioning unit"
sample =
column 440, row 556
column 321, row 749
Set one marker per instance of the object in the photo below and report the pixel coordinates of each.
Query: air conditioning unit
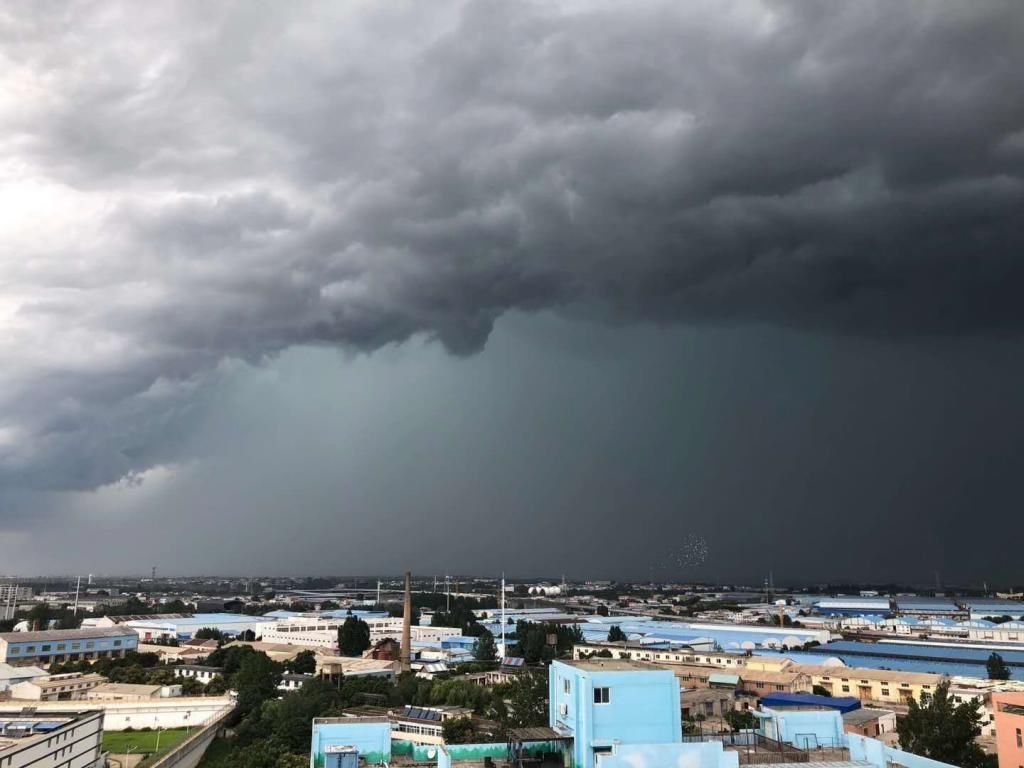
column 563, row 709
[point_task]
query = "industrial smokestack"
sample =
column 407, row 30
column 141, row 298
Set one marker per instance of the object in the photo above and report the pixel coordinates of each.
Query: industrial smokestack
column 406, row 654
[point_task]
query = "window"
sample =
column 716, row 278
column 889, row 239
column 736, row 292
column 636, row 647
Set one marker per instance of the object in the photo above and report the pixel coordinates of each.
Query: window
column 566, row 686
column 602, row 696
column 1020, row 741
column 885, row 691
column 846, row 689
column 45, row 648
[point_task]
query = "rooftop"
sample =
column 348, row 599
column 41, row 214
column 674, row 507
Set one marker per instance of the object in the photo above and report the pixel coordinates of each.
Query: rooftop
column 864, row 715
column 65, row 634
column 612, row 665
column 18, row 729
column 59, row 681
column 127, row 688
column 862, row 673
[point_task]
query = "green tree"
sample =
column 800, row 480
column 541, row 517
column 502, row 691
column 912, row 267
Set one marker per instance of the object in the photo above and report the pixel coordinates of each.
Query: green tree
column 602, row 610
column 303, row 664
column 191, row 687
column 217, row 686
column 458, row 730
column 256, row 681
column 820, row 690
column 739, row 721
column 943, row 730
column 289, row 719
column 353, row 637
column 210, row 633
column 997, row 669
column 527, row 697
column 616, row 635
column 485, row 648
column 229, row 658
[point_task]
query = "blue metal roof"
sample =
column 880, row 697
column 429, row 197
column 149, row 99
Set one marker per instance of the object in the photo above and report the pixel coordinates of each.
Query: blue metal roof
column 919, row 657
column 916, row 650
column 47, row 726
column 781, row 700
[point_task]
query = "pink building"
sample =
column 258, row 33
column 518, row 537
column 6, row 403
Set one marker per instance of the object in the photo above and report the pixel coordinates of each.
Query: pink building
column 1009, row 713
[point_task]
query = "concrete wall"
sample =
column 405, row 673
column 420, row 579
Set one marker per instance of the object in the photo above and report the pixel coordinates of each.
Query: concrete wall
column 189, row 752
column 182, row 712
column 879, row 755
column 457, row 752
column 804, row 729
column 707, row 755
column 372, row 737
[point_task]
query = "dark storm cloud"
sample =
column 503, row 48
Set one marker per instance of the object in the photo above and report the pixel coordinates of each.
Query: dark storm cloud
column 228, row 181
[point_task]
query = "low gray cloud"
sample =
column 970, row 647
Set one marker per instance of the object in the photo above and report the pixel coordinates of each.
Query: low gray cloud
column 196, row 183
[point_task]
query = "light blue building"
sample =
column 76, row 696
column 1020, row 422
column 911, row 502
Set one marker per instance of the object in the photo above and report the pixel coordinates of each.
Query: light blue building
column 603, row 703
column 25, row 648
column 336, row 739
column 815, row 728
column 803, row 728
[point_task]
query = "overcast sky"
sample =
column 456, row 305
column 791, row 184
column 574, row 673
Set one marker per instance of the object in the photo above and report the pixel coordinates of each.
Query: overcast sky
column 537, row 287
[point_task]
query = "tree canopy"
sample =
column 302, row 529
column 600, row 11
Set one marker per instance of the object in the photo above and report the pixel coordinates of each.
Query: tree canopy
column 353, row 637
column 303, row 664
column 485, row 648
column 616, row 635
column 943, row 730
column 997, row 669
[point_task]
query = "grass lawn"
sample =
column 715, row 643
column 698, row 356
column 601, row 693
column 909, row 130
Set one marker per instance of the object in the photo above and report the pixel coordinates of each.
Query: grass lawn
column 118, row 742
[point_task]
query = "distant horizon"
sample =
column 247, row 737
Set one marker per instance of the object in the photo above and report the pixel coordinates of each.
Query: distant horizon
column 805, row 586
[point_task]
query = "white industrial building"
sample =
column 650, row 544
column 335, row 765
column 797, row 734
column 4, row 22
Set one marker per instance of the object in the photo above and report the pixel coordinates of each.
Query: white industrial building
column 70, row 739
column 182, row 626
column 319, row 632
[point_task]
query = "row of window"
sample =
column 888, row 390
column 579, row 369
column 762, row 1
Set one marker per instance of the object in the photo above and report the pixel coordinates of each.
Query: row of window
column 825, row 678
column 423, row 730
column 14, row 650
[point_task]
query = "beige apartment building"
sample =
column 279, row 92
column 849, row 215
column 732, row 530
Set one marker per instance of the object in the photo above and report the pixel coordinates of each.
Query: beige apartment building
column 883, row 686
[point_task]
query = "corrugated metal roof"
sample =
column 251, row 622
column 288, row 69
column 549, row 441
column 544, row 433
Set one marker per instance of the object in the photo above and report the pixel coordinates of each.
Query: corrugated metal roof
column 56, row 635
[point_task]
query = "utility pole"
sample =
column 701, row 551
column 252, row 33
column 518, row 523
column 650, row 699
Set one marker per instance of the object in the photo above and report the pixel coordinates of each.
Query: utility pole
column 448, row 594
column 78, row 587
column 378, row 593
column 503, row 654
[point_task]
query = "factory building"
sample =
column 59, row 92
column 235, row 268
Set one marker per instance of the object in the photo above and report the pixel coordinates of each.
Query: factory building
column 68, row 739
column 323, row 632
column 184, row 626
column 28, row 648
column 73, row 686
